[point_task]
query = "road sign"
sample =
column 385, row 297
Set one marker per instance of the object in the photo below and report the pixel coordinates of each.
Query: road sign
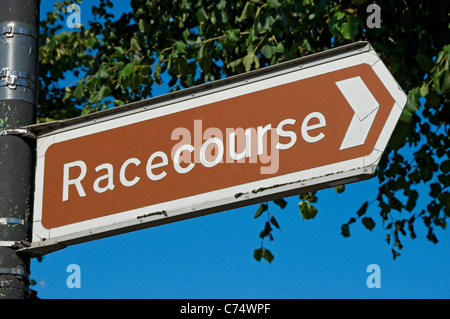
column 310, row 123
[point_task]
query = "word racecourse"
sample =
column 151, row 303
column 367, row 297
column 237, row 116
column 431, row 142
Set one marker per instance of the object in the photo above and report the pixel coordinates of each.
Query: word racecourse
column 154, row 167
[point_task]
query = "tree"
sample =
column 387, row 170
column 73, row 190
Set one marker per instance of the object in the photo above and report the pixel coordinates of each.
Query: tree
column 118, row 60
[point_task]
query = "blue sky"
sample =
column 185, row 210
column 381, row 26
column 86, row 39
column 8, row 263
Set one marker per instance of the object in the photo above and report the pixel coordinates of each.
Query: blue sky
column 212, row 256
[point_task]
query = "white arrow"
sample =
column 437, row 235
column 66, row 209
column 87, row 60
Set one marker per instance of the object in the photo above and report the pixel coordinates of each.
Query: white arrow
column 365, row 106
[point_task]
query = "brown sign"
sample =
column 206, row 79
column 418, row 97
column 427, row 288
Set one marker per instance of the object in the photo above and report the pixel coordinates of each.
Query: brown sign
column 217, row 144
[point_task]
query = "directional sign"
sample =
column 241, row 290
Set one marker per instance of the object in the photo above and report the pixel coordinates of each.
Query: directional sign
column 306, row 124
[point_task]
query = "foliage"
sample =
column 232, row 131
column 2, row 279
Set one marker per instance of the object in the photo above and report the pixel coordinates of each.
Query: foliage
column 194, row 42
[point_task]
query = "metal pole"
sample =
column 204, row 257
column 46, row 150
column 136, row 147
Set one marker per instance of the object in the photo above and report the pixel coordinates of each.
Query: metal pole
column 19, row 29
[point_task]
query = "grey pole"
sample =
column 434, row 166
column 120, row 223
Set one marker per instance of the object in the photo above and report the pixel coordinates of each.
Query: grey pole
column 19, row 50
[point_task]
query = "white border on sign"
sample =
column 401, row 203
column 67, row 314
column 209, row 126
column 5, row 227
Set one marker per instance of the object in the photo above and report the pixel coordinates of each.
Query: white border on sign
column 224, row 196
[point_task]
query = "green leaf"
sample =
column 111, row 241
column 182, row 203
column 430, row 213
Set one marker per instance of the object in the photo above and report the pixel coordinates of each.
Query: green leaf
column 438, row 80
column 266, row 232
column 180, row 46
column 411, row 231
column 433, row 99
column 232, row 35
column 248, row 61
column 264, row 22
column 445, row 84
column 234, row 64
column 280, row 48
column 412, row 104
column 201, row 53
column 103, row 71
column 157, row 73
column 78, row 93
column 306, row 210
column 136, row 59
column 334, row 26
column 435, row 189
column 179, row 66
column 274, row 222
column 339, row 189
column 395, row 254
column 258, row 253
column 350, row 29
column 67, row 95
column 267, row 255
column 345, row 230
column 362, row 210
column 424, row 89
column 135, row 45
column 445, row 166
column 103, row 92
column 307, row 45
column 339, row 15
column 268, row 50
column 431, row 236
column 368, row 223
column 273, row 4
column 221, row 5
column 186, row 35
column 119, row 51
column 412, row 198
column 256, row 60
column 395, row 203
column 444, row 179
column 440, row 57
column 142, row 25
column 125, row 73
column 261, row 209
column 425, row 62
column 248, row 11
column 406, row 115
column 119, row 65
column 280, row 202
column 201, row 15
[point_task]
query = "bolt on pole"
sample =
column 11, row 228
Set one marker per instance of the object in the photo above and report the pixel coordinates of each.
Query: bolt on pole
column 19, row 50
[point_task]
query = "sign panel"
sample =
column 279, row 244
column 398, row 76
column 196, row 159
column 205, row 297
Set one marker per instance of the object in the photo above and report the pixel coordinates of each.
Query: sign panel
column 310, row 123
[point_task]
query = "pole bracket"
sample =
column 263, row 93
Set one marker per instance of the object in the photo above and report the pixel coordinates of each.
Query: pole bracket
column 7, row 73
column 18, row 70
column 12, row 79
column 15, row 244
column 17, row 28
column 19, row 271
column 13, row 221
column 9, row 284
column 22, row 132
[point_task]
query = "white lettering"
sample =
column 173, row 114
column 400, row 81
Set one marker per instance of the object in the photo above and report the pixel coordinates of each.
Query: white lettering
column 176, row 159
column 76, row 181
column 251, row 145
column 306, row 127
column 108, row 176
column 219, row 155
column 284, row 133
column 151, row 165
column 122, row 177
column 261, row 131
column 247, row 152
